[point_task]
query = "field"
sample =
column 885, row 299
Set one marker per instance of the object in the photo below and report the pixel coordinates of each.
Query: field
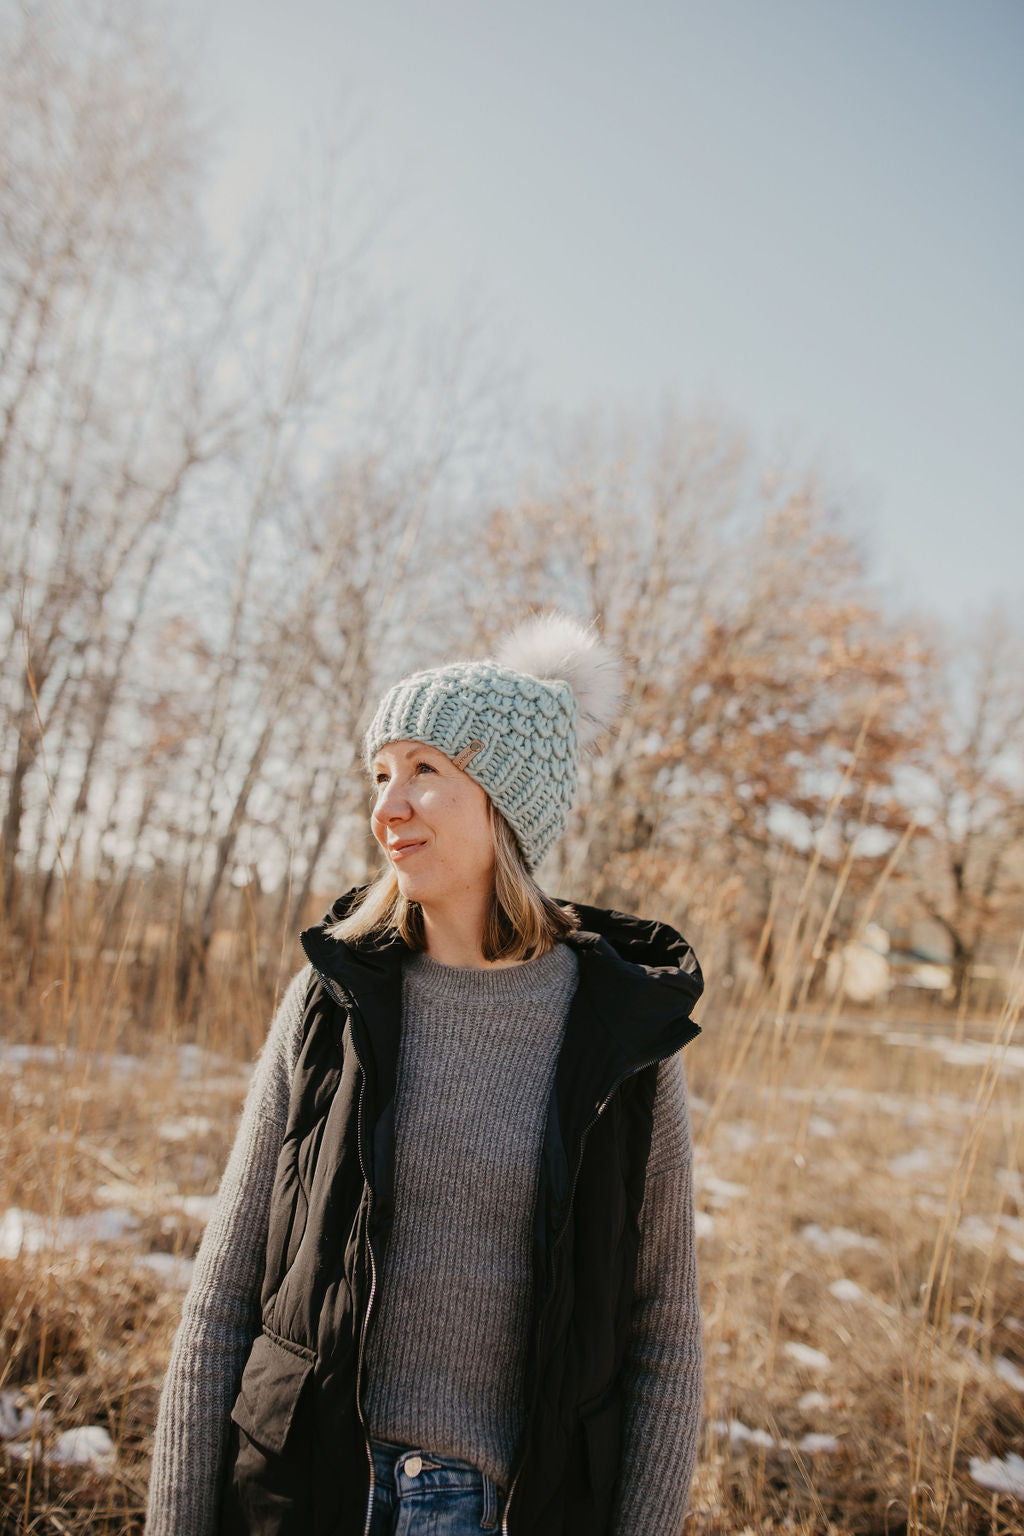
column 861, row 1238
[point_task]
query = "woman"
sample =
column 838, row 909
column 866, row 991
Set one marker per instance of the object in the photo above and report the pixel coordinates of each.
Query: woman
column 450, row 1282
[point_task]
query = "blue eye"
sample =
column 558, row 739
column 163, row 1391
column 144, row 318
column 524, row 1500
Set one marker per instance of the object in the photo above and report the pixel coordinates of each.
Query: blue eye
column 421, row 764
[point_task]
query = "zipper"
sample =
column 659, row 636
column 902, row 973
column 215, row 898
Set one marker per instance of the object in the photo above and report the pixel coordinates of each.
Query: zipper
column 346, row 999
column 599, row 1111
column 508, row 1502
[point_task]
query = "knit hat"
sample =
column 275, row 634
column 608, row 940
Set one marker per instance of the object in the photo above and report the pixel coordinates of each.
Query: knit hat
column 515, row 722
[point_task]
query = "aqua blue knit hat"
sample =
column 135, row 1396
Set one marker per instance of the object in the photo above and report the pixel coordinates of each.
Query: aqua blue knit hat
column 515, row 722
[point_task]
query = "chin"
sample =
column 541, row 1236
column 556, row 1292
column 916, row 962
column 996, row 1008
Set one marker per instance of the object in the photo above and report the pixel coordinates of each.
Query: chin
column 414, row 889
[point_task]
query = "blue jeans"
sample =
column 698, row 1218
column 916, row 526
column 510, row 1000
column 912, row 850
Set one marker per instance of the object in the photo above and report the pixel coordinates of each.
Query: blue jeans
column 418, row 1493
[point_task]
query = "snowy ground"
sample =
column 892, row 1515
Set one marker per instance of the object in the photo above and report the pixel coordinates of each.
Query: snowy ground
column 861, row 1231
column 861, row 1244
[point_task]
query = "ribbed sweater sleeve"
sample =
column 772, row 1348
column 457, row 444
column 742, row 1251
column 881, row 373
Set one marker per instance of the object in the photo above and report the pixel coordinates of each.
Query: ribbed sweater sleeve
column 663, row 1375
column 220, row 1317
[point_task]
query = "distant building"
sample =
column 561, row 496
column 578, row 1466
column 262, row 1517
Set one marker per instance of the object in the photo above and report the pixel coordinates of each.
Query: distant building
column 868, row 969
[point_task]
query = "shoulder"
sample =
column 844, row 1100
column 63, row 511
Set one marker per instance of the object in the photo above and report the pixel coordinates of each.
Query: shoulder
column 288, row 1015
column 280, row 1049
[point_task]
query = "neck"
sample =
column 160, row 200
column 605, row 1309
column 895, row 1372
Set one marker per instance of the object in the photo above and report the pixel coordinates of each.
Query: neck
column 454, row 935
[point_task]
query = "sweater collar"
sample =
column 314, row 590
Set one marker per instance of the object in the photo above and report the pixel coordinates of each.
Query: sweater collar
column 642, row 975
column 470, row 986
column 638, row 981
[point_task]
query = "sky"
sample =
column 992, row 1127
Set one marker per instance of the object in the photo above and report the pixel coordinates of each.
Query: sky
column 808, row 211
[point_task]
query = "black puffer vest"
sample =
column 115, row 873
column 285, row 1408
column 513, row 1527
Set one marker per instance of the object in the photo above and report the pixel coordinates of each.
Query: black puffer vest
column 298, row 1462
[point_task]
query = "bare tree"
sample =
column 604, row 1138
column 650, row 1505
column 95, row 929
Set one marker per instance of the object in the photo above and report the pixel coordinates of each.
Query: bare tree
column 754, row 653
column 98, row 168
column 969, row 779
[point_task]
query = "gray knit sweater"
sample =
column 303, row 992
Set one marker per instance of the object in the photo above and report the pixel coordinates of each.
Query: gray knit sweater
column 471, row 1038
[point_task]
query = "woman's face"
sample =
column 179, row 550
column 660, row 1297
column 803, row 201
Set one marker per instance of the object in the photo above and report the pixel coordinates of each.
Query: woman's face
column 431, row 820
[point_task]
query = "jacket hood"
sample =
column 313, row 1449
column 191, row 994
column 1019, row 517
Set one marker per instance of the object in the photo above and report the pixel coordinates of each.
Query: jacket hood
column 649, row 958
column 658, row 949
column 638, row 982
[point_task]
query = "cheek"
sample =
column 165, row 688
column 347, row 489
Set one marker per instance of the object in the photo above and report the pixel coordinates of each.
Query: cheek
column 483, row 841
column 465, row 824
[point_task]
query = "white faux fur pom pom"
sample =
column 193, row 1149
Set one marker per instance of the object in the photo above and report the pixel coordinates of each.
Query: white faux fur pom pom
column 553, row 645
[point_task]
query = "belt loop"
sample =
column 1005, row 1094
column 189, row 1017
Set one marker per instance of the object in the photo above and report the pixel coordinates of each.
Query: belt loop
column 491, row 1503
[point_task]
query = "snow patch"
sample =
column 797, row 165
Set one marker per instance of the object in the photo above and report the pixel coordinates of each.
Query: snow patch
column 967, row 1053
column 208, row 1070
column 720, row 1191
column 739, row 1433
column 175, row 1272
column 16, row 1421
column 978, row 1231
column 920, row 1160
column 703, row 1223
column 106, row 1226
column 837, row 1239
column 89, row 1446
column 1007, row 1371
column 185, row 1128
column 25, row 1232
column 17, row 1056
column 743, row 1134
column 845, row 1290
column 814, row 1402
column 1012, row 1182
column 818, row 1445
column 14, row 1234
column 1006, row 1476
column 910, row 1108
column 804, row 1354
column 194, row 1062
column 199, row 1206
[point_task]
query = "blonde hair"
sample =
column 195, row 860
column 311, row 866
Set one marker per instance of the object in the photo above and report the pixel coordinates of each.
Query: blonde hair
column 522, row 921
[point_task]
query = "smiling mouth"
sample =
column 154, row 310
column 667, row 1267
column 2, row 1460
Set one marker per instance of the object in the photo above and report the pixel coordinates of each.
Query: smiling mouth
column 400, row 853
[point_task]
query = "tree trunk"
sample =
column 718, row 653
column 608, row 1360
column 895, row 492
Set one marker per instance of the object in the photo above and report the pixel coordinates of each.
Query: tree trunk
column 12, row 817
column 962, row 964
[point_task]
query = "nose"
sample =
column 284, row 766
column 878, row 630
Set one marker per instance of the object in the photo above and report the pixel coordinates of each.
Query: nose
column 391, row 804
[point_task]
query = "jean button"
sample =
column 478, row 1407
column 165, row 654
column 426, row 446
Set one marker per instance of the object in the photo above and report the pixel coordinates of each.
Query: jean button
column 413, row 1467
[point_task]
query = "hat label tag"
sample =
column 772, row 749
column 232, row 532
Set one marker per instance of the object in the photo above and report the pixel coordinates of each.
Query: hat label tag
column 469, row 751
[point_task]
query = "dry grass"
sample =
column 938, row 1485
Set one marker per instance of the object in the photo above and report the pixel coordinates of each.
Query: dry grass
column 846, row 1157
column 806, row 1123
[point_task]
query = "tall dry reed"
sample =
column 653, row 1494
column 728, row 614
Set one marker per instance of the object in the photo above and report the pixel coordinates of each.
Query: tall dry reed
column 860, row 1209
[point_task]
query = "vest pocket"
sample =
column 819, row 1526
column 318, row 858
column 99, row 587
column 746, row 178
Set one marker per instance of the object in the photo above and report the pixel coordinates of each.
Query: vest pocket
column 272, row 1383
